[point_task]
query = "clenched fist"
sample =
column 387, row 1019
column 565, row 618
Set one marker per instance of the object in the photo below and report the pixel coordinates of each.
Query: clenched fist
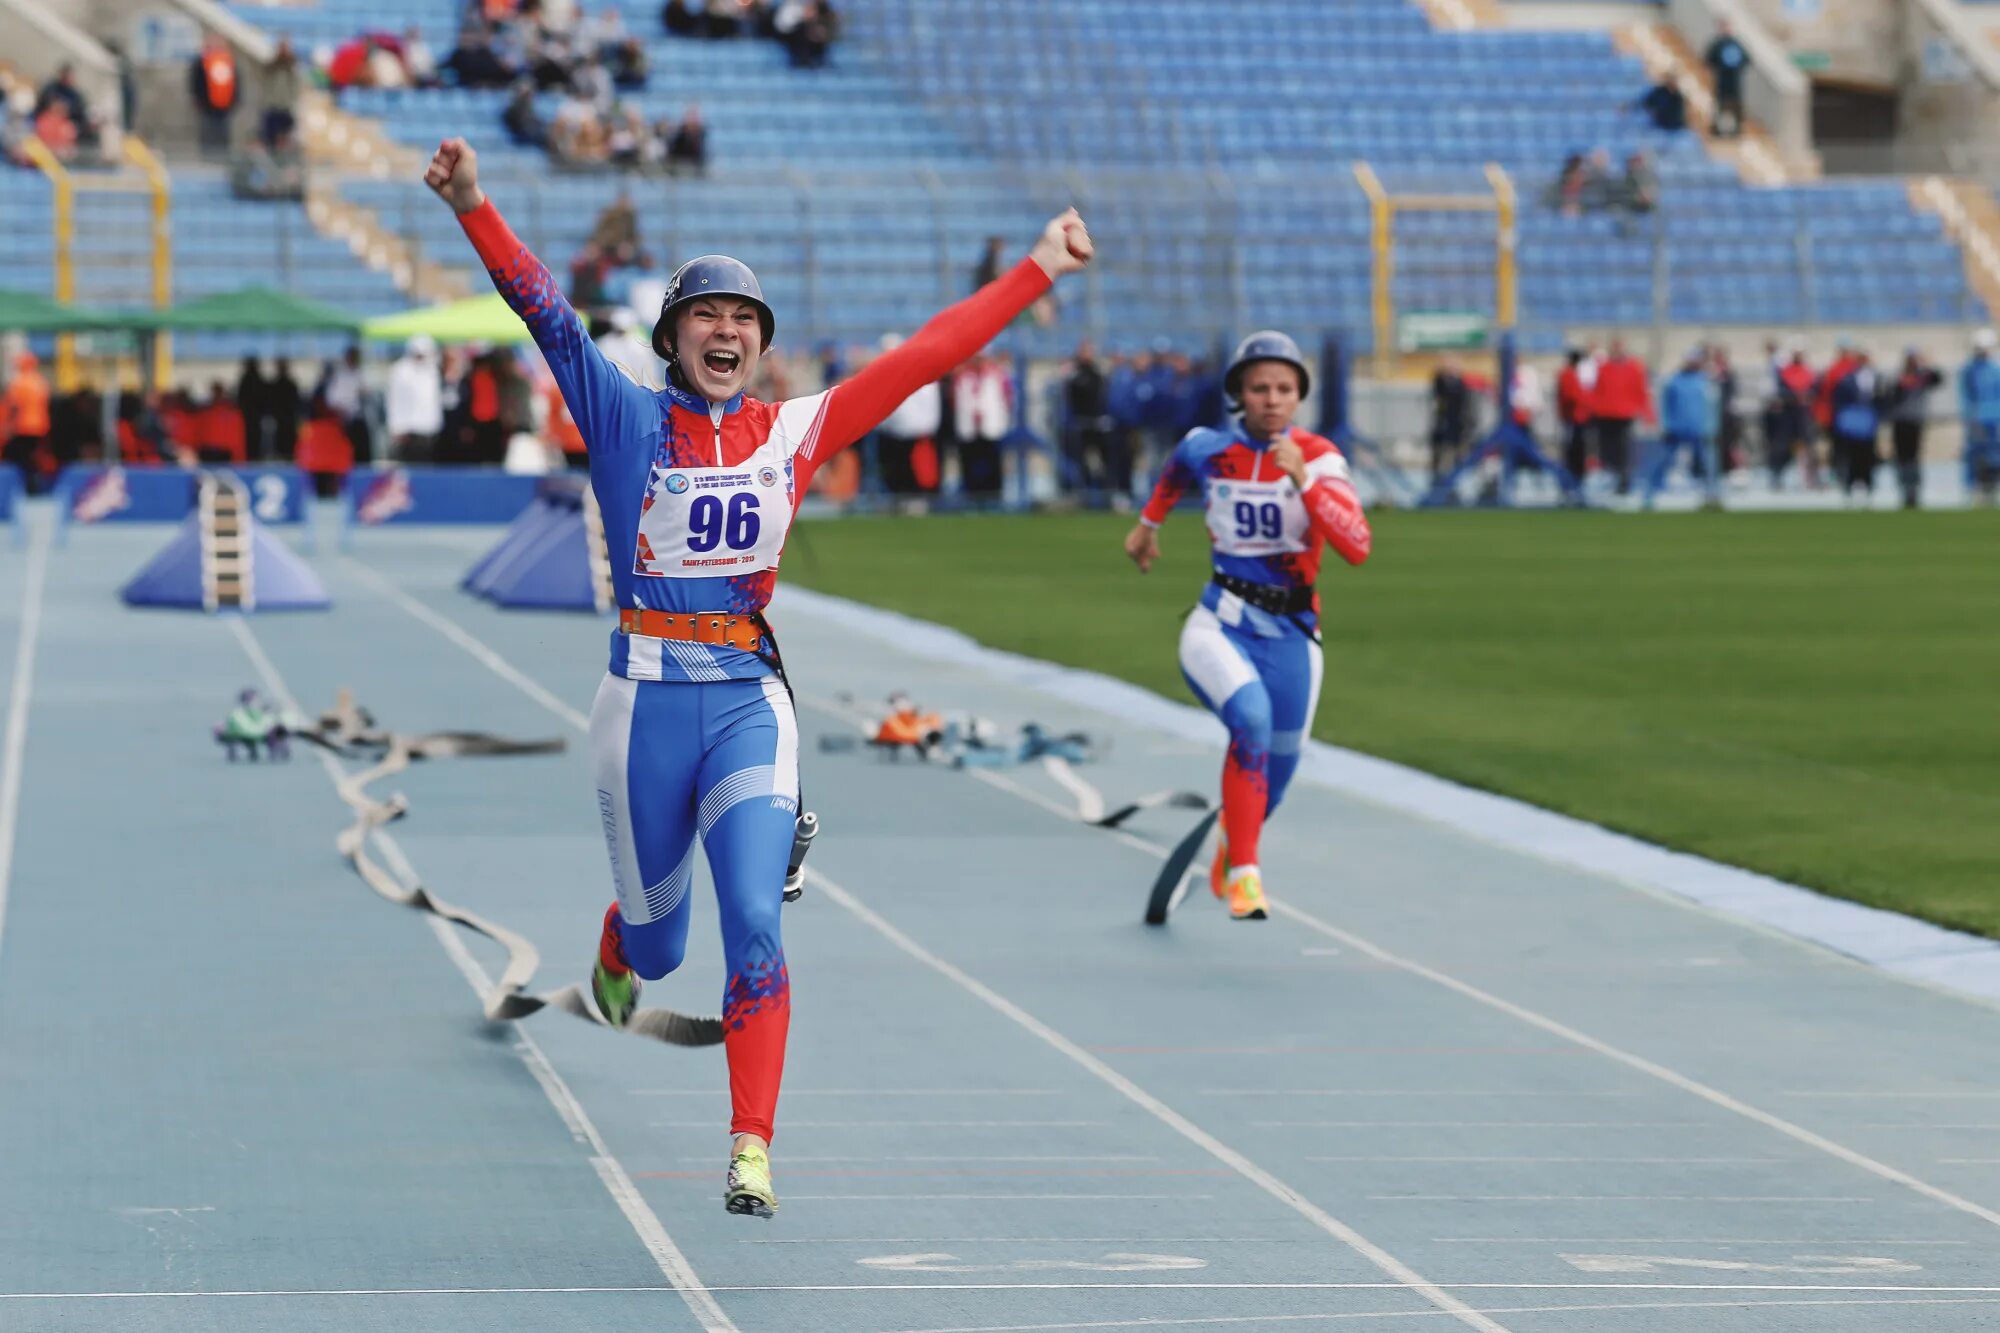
column 1064, row 247
column 454, row 175
column 1142, row 545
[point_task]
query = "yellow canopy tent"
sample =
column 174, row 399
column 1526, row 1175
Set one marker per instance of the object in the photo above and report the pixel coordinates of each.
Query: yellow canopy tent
column 479, row 319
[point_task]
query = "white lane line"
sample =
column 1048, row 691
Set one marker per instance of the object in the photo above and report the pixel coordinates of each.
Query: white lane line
column 1015, row 1240
column 1907, row 1096
column 673, row 1265
column 857, row 1092
column 1670, row 1240
column 1479, row 1124
column 1651, row 1068
column 791, row 1124
column 14, row 749
column 873, row 1288
column 1482, row 1093
column 793, row 1159
column 1622, row 1198
column 1561, row 1161
column 1160, row 1111
column 486, row 657
column 1349, row 1316
column 986, row 1198
column 1382, row 1259
column 1089, row 800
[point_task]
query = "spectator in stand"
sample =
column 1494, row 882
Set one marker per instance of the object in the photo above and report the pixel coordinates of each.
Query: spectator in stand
column 419, row 64
column 281, row 86
column 601, row 34
column 1728, row 412
column 591, row 80
column 687, row 151
column 1621, row 396
column 274, row 171
column 61, row 94
column 629, row 71
column 219, row 428
column 680, row 19
column 27, row 420
column 17, row 123
column 253, row 400
column 1573, row 410
column 1091, row 440
column 212, row 83
column 1451, row 417
column 476, row 63
column 906, row 444
column 624, row 348
column 1844, row 361
column 1856, row 422
column 415, row 404
column 486, row 442
column 1728, row 62
column 522, row 121
column 1665, row 106
column 982, row 397
column 627, row 140
column 1638, row 191
column 1979, row 409
column 282, row 401
column 810, row 34
column 1687, row 418
column 617, row 225
column 723, row 19
column 1906, row 402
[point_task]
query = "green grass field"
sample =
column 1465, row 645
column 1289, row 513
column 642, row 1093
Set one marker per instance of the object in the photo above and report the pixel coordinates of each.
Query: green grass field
column 1816, row 696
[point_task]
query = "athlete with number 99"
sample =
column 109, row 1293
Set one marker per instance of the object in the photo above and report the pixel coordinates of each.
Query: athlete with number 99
column 692, row 730
column 1275, row 496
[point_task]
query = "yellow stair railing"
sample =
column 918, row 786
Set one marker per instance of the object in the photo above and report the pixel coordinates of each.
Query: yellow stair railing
column 65, row 244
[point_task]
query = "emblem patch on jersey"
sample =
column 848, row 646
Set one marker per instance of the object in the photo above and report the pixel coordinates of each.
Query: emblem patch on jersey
column 677, row 483
column 767, row 476
column 1222, row 491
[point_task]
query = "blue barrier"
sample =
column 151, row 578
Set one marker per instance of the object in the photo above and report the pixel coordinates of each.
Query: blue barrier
column 10, row 501
column 373, row 497
column 95, row 493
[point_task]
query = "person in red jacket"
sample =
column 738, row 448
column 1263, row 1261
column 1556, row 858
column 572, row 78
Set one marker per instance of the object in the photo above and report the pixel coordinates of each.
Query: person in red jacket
column 1621, row 396
column 1573, row 393
column 1846, row 360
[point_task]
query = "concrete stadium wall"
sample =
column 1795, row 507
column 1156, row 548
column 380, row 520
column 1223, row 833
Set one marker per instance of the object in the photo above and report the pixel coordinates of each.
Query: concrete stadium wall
column 1951, row 86
column 1860, row 40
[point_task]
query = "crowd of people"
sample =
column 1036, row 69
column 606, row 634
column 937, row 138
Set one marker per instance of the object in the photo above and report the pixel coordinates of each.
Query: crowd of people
column 807, row 29
column 1587, row 184
column 1828, row 422
column 59, row 115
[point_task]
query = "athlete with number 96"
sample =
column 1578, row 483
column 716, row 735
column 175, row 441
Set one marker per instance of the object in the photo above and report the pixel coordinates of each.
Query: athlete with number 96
column 692, row 730
column 1275, row 496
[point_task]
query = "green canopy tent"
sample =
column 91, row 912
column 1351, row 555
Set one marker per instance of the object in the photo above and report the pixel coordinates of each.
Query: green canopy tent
column 25, row 312
column 478, row 319
column 247, row 309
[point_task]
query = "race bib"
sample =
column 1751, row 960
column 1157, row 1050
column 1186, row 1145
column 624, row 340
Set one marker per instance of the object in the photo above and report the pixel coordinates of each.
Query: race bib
column 699, row 522
column 1256, row 518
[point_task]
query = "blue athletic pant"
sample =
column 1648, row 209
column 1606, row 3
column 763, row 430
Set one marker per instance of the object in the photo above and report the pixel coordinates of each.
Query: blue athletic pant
column 720, row 759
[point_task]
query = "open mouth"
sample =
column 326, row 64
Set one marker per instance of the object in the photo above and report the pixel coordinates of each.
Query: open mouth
column 722, row 363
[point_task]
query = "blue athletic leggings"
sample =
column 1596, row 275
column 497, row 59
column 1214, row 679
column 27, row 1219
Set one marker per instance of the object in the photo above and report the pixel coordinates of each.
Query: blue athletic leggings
column 721, row 759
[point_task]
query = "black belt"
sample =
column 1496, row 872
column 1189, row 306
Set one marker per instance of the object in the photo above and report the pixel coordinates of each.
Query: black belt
column 1272, row 597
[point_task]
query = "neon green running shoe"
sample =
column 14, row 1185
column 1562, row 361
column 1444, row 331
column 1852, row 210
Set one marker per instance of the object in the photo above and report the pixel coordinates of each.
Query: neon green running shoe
column 749, row 1189
column 616, row 993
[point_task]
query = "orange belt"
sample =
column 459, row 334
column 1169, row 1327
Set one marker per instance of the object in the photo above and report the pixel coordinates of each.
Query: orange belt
column 712, row 627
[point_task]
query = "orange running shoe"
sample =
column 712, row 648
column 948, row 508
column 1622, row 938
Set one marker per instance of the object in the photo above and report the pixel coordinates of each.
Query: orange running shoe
column 1246, row 895
column 1218, row 869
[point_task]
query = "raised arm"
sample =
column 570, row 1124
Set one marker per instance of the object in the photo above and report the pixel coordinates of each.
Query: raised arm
column 611, row 410
column 951, row 336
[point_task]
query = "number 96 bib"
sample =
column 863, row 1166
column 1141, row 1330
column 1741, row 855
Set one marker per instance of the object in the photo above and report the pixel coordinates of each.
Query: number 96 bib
column 1256, row 517
column 700, row 522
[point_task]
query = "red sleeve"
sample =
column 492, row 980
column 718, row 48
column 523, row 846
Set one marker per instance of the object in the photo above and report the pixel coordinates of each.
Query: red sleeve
column 1331, row 501
column 951, row 336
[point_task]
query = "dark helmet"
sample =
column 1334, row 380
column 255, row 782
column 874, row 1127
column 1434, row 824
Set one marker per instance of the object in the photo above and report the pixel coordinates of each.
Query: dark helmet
column 1264, row 345
column 709, row 275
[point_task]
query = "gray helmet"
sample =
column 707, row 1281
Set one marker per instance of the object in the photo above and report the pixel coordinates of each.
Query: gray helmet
column 1264, row 345
column 709, row 275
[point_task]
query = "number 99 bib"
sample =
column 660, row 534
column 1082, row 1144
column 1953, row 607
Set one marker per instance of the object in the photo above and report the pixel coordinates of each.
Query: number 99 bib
column 1256, row 517
column 700, row 522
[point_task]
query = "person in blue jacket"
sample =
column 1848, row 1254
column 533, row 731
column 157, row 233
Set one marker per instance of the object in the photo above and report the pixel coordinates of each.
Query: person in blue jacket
column 1979, row 408
column 1687, row 421
column 1856, row 428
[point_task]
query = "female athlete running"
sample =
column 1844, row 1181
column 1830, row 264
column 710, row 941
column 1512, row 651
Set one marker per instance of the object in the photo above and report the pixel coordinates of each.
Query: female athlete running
column 1250, row 650
column 692, row 730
